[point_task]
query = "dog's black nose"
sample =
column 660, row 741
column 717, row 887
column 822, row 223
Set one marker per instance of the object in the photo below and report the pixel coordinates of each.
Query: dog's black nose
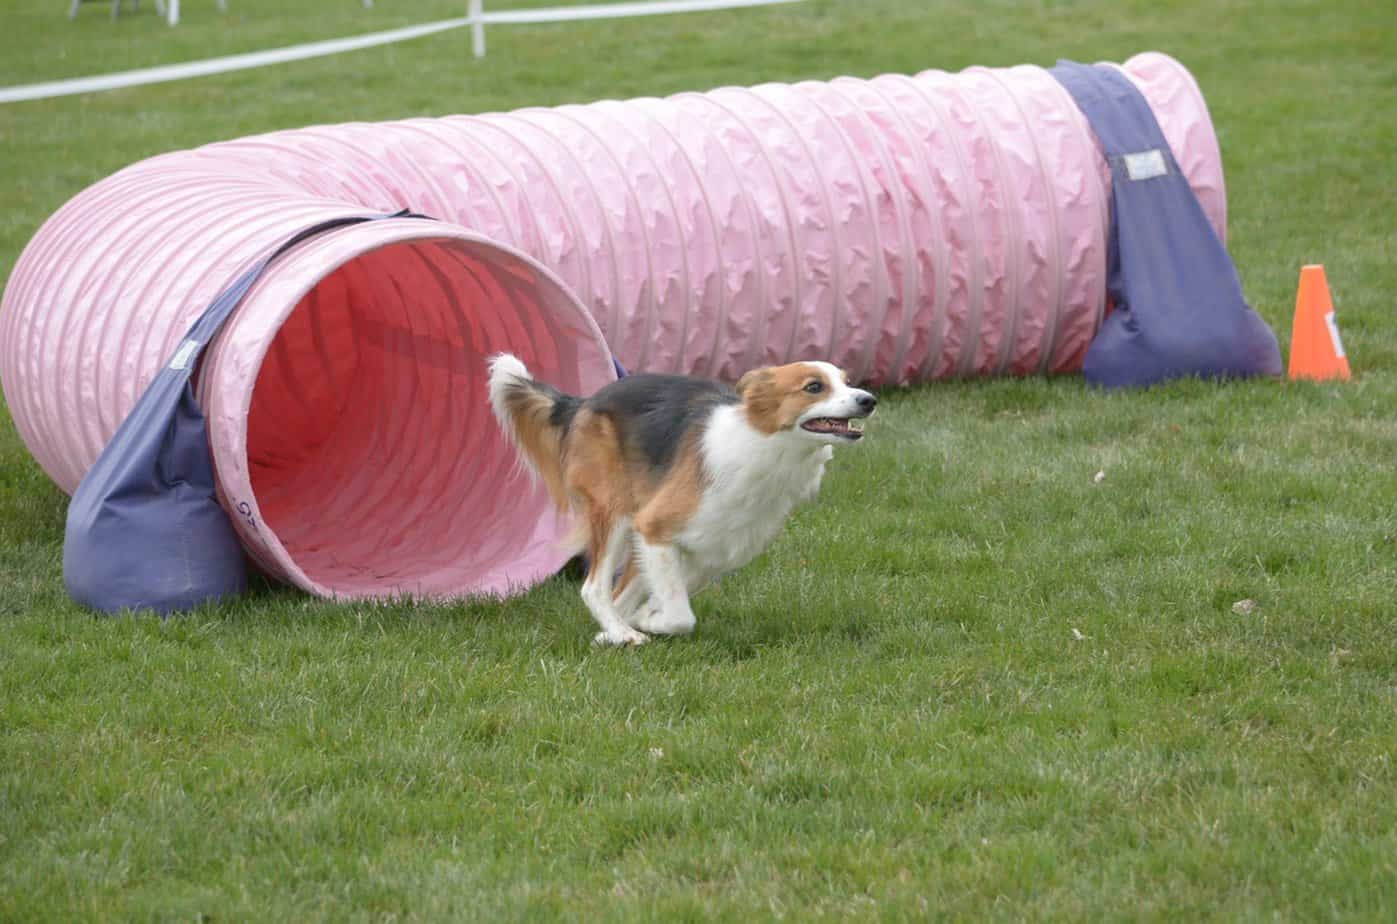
column 867, row 402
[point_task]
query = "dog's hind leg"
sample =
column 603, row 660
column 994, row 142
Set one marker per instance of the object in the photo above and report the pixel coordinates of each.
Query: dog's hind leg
column 609, row 546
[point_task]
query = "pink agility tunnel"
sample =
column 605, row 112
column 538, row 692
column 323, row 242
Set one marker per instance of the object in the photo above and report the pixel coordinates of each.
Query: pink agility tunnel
column 906, row 228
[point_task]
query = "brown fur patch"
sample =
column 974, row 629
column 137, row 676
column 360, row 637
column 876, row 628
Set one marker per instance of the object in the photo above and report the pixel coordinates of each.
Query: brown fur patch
column 594, row 472
column 594, row 464
column 775, row 397
column 530, row 410
column 665, row 511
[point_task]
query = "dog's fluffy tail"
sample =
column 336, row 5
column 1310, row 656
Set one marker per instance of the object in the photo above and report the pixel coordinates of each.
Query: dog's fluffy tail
column 536, row 417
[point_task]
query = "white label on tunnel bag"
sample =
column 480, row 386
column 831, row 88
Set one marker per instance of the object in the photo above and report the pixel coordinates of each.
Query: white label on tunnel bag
column 1146, row 165
column 183, row 354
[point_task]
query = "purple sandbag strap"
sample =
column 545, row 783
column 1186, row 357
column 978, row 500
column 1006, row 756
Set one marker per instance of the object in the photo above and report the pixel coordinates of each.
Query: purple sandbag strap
column 145, row 529
column 1179, row 308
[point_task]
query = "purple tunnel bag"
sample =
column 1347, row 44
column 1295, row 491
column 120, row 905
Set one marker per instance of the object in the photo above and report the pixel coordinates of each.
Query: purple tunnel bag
column 1179, row 308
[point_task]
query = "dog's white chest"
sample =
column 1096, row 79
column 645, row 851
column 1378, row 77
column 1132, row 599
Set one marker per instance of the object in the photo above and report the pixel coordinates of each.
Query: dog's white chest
column 754, row 482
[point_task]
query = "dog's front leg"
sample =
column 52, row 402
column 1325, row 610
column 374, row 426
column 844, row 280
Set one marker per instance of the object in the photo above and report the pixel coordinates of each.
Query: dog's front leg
column 633, row 594
column 668, row 611
column 640, row 610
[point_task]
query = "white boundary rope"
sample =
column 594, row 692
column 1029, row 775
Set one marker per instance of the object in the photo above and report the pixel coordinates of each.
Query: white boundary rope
column 336, row 46
column 219, row 65
column 618, row 10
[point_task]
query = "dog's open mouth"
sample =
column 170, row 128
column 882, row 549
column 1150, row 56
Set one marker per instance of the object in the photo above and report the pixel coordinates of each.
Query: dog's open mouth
column 849, row 428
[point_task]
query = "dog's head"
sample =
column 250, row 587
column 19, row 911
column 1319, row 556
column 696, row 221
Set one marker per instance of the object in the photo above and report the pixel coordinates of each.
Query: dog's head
column 811, row 401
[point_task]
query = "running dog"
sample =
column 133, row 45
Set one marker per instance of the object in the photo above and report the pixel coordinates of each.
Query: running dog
column 675, row 480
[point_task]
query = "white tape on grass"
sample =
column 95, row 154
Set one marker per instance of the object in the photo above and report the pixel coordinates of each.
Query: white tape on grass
column 335, row 46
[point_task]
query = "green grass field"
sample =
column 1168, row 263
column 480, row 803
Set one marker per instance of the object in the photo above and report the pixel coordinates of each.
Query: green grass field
column 972, row 683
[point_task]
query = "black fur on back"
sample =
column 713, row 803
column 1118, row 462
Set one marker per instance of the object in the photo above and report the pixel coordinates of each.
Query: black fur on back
column 653, row 412
column 565, row 407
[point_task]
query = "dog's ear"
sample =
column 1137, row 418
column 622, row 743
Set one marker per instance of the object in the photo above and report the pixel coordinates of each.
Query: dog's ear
column 750, row 379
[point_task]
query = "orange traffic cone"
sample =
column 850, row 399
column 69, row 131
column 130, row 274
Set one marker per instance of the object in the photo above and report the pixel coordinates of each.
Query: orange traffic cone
column 1316, row 352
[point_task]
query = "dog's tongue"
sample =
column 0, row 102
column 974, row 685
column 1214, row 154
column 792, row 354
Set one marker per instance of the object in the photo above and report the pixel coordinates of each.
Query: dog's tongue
column 828, row 425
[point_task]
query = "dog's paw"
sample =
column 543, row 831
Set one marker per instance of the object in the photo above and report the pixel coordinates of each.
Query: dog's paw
column 653, row 620
column 623, row 638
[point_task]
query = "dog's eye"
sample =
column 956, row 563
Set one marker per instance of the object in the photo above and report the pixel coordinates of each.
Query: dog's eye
column 814, row 387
